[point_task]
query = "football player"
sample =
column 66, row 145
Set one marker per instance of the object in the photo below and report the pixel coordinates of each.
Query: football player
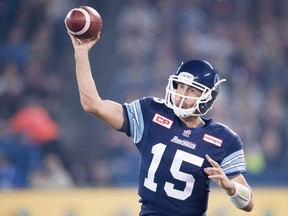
column 181, row 152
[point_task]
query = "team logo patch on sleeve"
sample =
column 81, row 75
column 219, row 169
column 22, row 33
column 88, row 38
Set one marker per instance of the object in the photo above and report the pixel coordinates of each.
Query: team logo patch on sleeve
column 213, row 140
column 163, row 121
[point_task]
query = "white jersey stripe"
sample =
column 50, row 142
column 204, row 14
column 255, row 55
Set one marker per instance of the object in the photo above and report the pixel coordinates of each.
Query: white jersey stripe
column 135, row 117
column 234, row 162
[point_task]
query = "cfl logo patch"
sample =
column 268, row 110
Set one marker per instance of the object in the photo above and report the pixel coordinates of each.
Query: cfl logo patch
column 163, row 121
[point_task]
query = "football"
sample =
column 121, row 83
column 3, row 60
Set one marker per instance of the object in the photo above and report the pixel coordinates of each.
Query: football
column 83, row 22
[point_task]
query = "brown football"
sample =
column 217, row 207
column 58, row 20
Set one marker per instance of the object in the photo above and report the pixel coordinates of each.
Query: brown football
column 83, row 22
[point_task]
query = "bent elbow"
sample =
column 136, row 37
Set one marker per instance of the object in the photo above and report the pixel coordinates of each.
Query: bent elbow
column 88, row 107
column 91, row 108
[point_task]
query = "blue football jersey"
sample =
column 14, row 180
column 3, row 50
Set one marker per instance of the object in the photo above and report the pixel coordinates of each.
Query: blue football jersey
column 172, row 181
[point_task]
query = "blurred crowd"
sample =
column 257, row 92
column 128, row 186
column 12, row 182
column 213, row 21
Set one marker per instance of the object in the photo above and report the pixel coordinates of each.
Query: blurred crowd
column 46, row 139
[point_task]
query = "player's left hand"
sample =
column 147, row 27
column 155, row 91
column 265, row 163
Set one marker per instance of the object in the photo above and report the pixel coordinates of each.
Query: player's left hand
column 218, row 176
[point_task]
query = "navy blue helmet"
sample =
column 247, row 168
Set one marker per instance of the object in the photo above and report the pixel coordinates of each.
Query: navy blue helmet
column 198, row 74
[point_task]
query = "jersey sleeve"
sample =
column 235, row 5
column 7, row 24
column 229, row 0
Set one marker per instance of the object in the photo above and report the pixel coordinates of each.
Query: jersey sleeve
column 135, row 120
column 234, row 163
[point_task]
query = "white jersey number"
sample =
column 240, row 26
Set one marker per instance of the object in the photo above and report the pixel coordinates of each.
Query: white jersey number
column 180, row 156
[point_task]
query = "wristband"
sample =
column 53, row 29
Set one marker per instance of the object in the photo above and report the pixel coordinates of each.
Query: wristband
column 242, row 196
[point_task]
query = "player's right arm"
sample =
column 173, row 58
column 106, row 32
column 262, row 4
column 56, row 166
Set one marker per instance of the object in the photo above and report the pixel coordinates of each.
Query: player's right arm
column 108, row 111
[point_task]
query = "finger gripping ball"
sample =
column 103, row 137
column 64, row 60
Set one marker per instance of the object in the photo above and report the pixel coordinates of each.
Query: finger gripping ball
column 83, row 22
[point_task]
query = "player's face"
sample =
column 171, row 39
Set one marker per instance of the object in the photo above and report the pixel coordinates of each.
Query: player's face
column 191, row 95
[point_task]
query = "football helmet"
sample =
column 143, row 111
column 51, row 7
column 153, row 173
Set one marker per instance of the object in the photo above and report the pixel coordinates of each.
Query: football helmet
column 198, row 74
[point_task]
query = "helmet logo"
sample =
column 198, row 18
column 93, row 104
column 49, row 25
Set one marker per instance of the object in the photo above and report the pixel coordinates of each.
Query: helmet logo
column 186, row 77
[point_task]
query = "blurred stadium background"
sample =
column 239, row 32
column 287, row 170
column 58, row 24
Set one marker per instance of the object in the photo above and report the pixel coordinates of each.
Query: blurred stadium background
column 57, row 160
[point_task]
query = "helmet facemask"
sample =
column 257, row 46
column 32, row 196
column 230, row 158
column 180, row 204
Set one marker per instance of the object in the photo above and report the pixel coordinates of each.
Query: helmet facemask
column 202, row 104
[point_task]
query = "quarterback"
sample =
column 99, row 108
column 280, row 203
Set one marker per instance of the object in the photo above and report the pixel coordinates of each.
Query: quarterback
column 181, row 151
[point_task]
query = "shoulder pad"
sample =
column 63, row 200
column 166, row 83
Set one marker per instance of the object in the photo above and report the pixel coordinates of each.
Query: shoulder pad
column 158, row 100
